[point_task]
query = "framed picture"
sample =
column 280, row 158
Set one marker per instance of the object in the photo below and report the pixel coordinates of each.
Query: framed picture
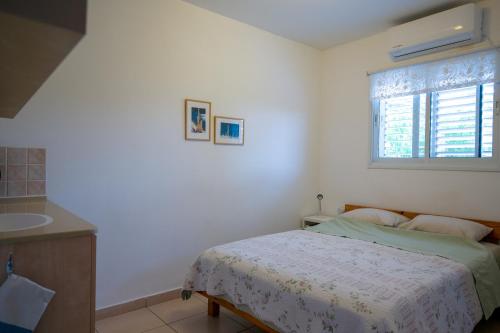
column 197, row 120
column 229, row 131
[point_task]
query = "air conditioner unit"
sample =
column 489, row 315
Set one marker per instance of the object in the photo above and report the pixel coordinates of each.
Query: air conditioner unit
column 452, row 28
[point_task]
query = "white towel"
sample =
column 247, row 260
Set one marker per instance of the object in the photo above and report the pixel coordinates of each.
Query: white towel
column 22, row 304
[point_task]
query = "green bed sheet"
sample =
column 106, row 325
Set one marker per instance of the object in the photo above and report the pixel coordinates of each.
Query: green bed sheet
column 472, row 254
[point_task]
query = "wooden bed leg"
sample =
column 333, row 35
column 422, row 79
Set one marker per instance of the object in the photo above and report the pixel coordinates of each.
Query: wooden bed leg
column 213, row 308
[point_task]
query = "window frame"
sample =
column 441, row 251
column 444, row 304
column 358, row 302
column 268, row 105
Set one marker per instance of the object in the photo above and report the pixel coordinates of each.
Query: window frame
column 487, row 164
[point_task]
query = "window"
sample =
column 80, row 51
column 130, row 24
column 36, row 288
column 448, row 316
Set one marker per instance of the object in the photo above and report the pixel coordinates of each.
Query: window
column 441, row 115
column 402, row 127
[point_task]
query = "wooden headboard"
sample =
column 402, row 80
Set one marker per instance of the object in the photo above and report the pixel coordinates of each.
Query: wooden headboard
column 494, row 236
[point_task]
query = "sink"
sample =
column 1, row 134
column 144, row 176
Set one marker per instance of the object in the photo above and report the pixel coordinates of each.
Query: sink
column 22, row 221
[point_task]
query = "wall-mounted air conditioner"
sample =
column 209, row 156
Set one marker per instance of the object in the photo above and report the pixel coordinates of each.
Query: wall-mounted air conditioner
column 455, row 27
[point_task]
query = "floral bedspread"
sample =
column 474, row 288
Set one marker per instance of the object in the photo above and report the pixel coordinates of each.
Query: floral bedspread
column 301, row 281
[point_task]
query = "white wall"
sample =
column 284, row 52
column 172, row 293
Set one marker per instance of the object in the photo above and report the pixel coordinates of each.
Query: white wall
column 111, row 117
column 345, row 143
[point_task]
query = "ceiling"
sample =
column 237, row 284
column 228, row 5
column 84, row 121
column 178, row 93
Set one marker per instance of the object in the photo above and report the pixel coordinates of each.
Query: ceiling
column 325, row 23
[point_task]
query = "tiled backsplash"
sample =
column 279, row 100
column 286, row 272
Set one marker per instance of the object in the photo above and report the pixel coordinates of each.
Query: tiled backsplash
column 22, row 172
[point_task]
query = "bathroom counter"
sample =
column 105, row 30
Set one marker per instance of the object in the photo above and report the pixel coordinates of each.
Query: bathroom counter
column 65, row 224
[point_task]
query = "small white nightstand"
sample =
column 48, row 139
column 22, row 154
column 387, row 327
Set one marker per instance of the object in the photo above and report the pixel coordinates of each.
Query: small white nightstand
column 315, row 219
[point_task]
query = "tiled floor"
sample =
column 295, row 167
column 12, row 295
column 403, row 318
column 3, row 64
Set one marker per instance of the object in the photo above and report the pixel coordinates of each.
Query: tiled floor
column 176, row 316
column 191, row 317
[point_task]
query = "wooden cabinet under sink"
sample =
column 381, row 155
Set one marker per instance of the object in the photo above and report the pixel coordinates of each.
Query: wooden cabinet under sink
column 62, row 258
column 67, row 266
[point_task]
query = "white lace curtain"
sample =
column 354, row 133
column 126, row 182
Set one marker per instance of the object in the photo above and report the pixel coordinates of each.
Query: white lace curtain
column 467, row 70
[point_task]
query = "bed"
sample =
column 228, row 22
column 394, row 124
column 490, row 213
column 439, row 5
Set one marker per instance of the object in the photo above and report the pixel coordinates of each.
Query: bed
column 303, row 281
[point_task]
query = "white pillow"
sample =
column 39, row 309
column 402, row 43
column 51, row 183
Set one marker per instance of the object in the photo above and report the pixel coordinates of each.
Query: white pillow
column 377, row 216
column 449, row 226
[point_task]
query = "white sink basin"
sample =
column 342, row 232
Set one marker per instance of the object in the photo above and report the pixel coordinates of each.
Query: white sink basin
column 23, row 221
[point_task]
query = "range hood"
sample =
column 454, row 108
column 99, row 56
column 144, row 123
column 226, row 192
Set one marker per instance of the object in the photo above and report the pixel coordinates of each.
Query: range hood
column 35, row 37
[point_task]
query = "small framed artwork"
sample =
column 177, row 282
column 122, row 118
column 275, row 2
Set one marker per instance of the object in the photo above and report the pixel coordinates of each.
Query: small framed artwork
column 197, row 120
column 229, row 131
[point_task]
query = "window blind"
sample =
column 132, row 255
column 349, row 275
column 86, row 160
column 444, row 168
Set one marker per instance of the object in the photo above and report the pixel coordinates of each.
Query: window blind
column 463, row 71
column 462, row 122
column 453, row 119
column 402, row 127
column 396, row 130
column 488, row 104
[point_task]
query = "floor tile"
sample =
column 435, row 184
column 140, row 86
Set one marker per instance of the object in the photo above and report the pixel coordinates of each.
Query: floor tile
column 132, row 322
column 179, row 309
column 163, row 329
column 243, row 322
column 206, row 324
column 200, row 297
